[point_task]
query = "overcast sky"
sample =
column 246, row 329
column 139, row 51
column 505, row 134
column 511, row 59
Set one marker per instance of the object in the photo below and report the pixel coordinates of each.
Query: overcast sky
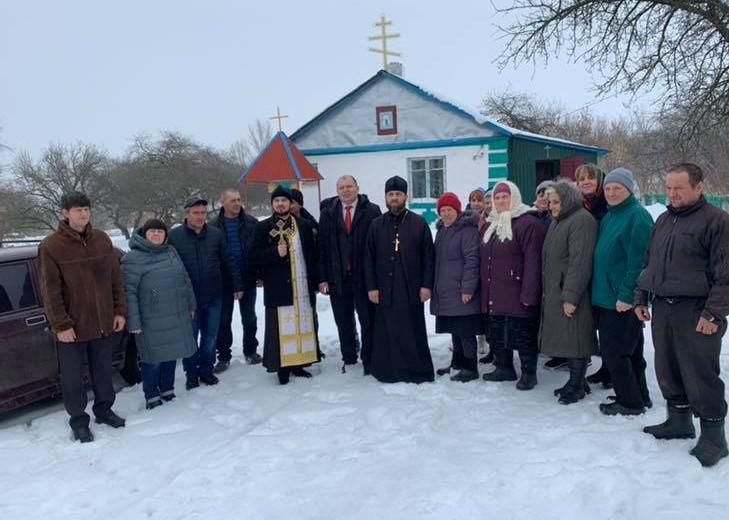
column 101, row 72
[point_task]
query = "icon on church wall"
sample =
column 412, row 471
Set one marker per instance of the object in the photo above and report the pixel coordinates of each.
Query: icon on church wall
column 386, row 120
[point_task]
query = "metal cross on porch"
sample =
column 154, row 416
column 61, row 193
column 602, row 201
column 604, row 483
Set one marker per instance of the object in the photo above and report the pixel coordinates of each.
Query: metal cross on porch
column 279, row 117
column 383, row 23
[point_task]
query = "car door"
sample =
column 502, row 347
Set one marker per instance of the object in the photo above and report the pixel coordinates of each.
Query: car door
column 28, row 359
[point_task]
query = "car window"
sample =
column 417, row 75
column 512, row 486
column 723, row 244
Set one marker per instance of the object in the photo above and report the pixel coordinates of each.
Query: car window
column 16, row 288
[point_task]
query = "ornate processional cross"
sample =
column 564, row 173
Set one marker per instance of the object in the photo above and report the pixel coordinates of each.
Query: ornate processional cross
column 279, row 117
column 383, row 23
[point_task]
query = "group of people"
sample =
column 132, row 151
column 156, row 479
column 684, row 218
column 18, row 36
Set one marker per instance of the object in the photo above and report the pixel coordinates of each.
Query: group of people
column 570, row 277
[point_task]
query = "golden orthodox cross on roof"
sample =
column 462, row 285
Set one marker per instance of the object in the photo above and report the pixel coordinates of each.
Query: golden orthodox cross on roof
column 279, row 117
column 383, row 23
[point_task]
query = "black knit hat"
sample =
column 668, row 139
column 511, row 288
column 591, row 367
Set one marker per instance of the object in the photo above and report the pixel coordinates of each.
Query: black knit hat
column 152, row 223
column 396, row 183
column 281, row 191
column 297, row 196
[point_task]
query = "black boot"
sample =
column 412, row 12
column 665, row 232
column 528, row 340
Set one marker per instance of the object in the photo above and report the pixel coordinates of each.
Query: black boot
column 283, row 376
column 488, row 358
column 679, row 424
column 300, row 372
column 711, row 447
column 528, row 379
column 467, row 373
column 601, row 376
column 574, row 390
column 82, row 434
column 110, row 419
column 504, row 361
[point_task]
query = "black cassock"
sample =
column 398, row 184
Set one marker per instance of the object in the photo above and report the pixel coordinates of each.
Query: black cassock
column 399, row 262
column 275, row 272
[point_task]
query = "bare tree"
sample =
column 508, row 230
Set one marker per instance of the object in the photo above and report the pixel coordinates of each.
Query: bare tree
column 61, row 168
column 675, row 49
column 243, row 151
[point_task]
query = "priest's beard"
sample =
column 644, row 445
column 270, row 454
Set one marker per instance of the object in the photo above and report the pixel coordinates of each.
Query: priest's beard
column 281, row 214
column 396, row 208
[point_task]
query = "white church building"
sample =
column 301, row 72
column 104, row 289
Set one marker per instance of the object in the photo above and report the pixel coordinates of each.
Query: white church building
column 389, row 126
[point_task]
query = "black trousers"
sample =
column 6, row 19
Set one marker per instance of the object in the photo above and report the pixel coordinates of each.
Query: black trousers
column 71, row 358
column 687, row 362
column 248, row 318
column 345, row 301
column 507, row 333
column 621, row 343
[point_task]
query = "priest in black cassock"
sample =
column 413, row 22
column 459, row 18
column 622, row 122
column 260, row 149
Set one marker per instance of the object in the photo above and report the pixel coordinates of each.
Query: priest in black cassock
column 399, row 271
column 284, row 256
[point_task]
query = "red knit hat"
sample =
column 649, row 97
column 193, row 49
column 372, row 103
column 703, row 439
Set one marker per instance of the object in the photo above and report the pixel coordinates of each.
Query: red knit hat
column 449, row 199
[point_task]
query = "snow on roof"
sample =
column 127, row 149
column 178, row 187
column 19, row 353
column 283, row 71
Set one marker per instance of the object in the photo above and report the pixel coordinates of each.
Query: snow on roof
column 453, row 106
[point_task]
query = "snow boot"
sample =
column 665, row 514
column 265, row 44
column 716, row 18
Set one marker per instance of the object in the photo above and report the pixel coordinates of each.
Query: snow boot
column 679, row 424
column 153, row 403
column 284, row 374
column 711, row 447
column 504, row 361
column 528, row 379
column 209, row 379
column 601, row 376
column 191, row 382
column 574, row 390
column 110, row 419
column 468, row 373
column 618, row 409
column 82, row 434
column 300, row 372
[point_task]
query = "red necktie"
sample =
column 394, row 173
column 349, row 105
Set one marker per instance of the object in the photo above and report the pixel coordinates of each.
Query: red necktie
column 348, row 219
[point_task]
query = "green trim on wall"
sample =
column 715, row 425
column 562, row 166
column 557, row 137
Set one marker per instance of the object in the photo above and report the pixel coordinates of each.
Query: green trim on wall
column 425, row 210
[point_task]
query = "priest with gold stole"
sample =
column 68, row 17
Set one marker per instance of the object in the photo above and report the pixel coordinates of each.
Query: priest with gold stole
column 284, row 256
column 399, row 271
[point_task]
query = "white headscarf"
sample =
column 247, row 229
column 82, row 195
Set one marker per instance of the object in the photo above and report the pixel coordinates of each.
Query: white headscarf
column 500, row 223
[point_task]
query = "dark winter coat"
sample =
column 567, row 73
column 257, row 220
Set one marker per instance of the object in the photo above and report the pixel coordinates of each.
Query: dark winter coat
column 81, row 282
column 335, row 247
column 160, row 300
column 206, row 257
column 247, row 225
column 688, row 256
column 416, row 254
column 275, row 271
column 456, row 268
column 567, row 270
column 619, row 253
column 511, row 271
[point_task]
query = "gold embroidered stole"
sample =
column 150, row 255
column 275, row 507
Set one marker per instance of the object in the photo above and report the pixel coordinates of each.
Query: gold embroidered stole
column 297, row 337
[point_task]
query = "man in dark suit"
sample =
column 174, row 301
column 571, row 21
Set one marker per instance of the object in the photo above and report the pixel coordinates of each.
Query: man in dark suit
column 343, row 226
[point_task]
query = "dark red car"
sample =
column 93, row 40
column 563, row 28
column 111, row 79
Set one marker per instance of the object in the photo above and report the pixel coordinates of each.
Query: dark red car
column 28, row 360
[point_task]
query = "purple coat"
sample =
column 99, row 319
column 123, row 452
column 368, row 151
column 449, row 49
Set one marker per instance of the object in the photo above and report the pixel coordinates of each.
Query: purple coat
column 456, row 268
column 511, row 271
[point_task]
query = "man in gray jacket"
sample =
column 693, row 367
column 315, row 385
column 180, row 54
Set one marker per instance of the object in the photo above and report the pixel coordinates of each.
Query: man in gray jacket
column 686, row 277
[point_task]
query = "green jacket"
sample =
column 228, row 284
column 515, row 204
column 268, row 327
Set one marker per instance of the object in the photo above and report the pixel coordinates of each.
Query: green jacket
column 619, row 253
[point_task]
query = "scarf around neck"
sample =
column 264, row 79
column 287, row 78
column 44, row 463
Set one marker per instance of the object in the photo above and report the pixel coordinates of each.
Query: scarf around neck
column 500, row 223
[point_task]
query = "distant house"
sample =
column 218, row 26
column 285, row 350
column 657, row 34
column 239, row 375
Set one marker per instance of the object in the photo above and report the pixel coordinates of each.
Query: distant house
column 390, row 126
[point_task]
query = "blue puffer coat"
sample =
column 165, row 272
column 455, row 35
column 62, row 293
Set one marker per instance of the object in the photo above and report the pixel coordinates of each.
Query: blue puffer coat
column 160, row 300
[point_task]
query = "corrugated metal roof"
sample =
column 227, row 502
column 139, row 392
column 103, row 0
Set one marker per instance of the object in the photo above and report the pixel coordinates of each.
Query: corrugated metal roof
column 280, row 160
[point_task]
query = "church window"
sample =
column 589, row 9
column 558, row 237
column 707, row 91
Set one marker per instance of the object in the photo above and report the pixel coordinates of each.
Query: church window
column 427, row 177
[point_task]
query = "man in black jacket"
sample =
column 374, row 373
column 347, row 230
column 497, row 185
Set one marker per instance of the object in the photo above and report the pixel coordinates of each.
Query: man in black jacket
column 203, row 251
column 687, row 277
column 284, row 253
column 343, row 226
column 237, row 228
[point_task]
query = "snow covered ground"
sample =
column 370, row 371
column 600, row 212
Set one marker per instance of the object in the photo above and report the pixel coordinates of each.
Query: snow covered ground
column 345, row 446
